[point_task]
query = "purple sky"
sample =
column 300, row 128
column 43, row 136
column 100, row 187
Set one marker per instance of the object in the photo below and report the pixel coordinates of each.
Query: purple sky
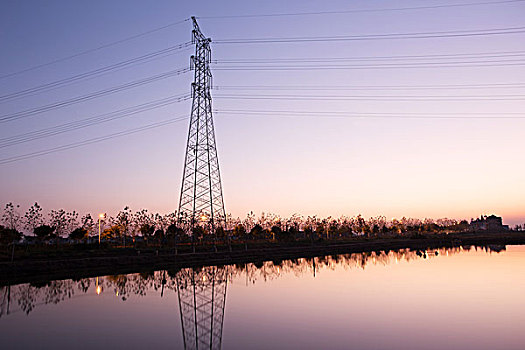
column 317, row 164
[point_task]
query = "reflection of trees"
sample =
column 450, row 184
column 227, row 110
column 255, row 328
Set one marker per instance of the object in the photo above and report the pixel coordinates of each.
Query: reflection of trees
column 269, row 270
column 134, row 284
column 4, row 303
column 28, row 296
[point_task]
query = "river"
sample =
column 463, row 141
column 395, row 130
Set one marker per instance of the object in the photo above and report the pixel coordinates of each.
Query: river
column 454, row 298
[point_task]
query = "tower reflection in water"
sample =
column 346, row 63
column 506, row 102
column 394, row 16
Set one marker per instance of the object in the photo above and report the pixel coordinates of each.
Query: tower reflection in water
column 202, row 297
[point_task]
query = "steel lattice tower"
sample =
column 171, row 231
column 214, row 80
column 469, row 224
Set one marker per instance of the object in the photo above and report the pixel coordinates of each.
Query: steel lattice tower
column 202, row 297
column 201, row 193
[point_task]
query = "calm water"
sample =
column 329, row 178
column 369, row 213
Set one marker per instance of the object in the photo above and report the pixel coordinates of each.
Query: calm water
column 440, row 299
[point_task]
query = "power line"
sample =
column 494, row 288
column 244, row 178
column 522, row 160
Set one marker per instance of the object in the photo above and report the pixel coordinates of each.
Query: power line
column 96, row 72
column 93, row 49
column 172, row 49
column 91, row 141
column 290, row 14
column 244, row 112
column 359, row 115
column 161, row 53
column 496, row 54
column 387, row 36
column 411, row 98
column 478, row 64
column 91, row 121
column 100, row 93
column 369, row 87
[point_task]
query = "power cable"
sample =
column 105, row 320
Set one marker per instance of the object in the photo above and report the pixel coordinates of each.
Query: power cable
column 387, row 36
column 432, row 65
column 369, row 87
column 359, row 115
column 172, row 49
column 428, row 7
column 493, row 54
column 411, row 98
column 91, row 121
column 93, row 49
column 91, row 141
column 100, row 93
column 96, row 72
column 174, row 120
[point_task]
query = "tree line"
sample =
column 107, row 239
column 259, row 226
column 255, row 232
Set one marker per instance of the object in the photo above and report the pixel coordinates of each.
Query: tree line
column 128, row 226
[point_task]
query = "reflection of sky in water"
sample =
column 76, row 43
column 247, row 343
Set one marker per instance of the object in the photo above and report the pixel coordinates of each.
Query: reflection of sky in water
column 398, row 301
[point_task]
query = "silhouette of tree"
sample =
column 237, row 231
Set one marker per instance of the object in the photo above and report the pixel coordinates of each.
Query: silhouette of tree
column 9, row 235
column 11, row 216
column 284, row 236
column 147, row 230
column 173, row 231
column 257, row 231
column 123, row 221
column 144, row 223
column 158, row 235
column 58, row 220
column 332, row 229
column 219, row 231
column 309, row 232
column 239, row 230
column 170, row 218
column 249, row 222
column 88, row 224
column 33, row 217
column 44, row 232
column 319, row 230
column 175, row 234
column 64, row 222
column 112, row 232
column 160, row 222
column 78, row 233
column 199, row 232
column 276, row 231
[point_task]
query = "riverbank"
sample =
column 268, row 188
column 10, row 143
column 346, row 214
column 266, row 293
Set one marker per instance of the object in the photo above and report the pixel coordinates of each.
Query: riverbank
column 91, row 263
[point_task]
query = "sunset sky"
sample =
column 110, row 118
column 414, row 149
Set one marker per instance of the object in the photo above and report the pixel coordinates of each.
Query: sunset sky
column 415, row 127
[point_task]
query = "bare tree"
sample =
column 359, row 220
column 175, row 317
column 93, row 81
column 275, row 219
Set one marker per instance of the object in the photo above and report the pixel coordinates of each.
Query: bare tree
column 11, row 216
column 58, row 220
column 144, row 223
column 87, row 223
column 124, row 222
column 33, row 217
column 71, row 221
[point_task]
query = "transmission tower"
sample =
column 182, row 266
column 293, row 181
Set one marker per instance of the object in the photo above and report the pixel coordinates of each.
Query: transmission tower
column 201, row 200
column 202, row 297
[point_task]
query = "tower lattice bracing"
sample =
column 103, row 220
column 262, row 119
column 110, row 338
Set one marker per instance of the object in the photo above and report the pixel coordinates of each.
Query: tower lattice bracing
column 202, row 297
column 201, row 200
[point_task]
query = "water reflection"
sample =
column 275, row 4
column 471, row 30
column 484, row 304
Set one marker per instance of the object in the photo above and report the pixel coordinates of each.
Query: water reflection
column 30, row 295
column 202, row 296
column 201, row 291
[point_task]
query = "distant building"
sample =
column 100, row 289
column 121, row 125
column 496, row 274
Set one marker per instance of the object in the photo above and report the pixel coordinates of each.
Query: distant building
column 488, row 223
